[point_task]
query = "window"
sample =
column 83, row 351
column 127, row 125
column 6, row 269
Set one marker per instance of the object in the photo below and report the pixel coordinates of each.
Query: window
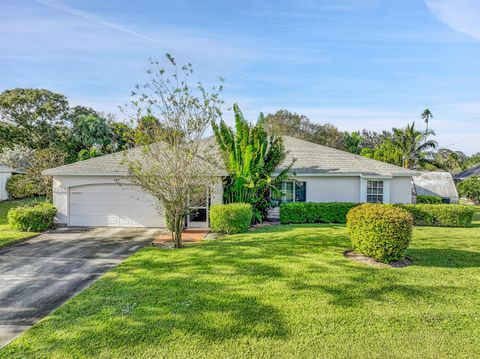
column 375, row 191
column 293, row 192
column 300, row 191
column 199, row 215
column 288, row 192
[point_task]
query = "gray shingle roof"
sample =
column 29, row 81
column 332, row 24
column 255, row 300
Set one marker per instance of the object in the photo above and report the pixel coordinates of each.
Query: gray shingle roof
column 310, row 159
column 107, row 165
column 435, row 184
column 313, row 158
column 471, row 172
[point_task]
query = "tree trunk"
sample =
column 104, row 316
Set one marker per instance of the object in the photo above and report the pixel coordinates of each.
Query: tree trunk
column 177, row 234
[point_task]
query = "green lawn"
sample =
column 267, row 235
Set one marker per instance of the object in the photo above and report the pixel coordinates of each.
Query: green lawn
column 8, row 235
column 284, row 291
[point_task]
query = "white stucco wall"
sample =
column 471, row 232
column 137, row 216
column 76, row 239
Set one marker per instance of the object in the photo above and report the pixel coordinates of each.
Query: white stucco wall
column 401, row 190
column 3, row 182
column 332, row 189
column 354, row 188
column 61, row 185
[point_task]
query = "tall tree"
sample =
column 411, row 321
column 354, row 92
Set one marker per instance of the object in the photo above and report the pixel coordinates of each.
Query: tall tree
column 386, row 151
column 426, row 116
column 448, row 160
column 373, row 139
column 251, row 157
column 177, row 170
column 18, row 157
column 33, row 116
column 92, row 132
column 147, row 128
column 44, row 159
column 414, row 145
column 353, row 142
column 284, row 122
column 470, row 188
column 122, row 136
column 471, row 161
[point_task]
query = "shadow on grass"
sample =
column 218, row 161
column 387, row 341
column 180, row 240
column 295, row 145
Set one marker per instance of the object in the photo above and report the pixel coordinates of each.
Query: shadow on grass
column 232, row 289
column 445, row 258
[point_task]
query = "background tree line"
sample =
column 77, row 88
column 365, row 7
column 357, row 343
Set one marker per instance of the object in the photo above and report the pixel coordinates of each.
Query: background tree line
column 40, row 130
column 409, row 147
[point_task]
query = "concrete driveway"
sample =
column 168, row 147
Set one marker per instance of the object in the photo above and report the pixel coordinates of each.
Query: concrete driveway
column 40, row 274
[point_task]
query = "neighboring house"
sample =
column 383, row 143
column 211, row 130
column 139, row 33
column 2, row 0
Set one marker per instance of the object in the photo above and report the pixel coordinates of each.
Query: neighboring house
column 5, row 173
column 86, row 193
column 438, row 184
column 471, row 172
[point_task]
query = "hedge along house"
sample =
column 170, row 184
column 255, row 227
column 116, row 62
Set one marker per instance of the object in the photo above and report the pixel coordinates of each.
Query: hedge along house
column 438, row 184
column 88, row 193
column 5, row 174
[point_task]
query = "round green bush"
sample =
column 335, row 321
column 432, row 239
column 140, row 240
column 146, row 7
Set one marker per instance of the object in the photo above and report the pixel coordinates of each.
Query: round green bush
column 21, row 186
column 36, row 217
column 230, row 218
column 382, row 232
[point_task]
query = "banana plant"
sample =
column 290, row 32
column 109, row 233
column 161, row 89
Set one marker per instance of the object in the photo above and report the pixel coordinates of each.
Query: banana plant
column 251, row 157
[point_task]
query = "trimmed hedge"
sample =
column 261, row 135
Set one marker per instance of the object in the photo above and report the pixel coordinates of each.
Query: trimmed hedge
column 230, row 218
column 315, row 212
column 36, row 217
column 440, row 215
column 429, row 199
column 21, row 186
column 380, row 231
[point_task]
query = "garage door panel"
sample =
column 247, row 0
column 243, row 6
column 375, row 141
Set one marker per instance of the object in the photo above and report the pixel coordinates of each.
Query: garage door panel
column 87, row 197
column 120, row 210
column 113, row 205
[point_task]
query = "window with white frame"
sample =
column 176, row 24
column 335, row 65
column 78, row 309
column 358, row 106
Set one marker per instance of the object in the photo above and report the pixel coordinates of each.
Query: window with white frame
column 293, row 191
column 375, row 191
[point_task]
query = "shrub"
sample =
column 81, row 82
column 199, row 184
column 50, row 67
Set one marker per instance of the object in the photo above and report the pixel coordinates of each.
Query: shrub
column 380, row 231
column 470, row 188
column 230, row 218
column 315, row 212
column 21, row 186
column 440, row 215
column 35, row 217
column 429, row 199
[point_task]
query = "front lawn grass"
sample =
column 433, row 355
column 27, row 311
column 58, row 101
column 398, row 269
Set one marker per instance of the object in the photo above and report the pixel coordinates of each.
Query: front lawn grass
column 283, row 291
column 7, row 234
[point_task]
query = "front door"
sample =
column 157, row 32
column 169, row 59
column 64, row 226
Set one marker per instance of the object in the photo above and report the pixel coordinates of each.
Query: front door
column 198, row 218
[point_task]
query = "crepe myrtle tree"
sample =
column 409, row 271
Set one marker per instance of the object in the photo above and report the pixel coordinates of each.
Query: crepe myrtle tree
column 178, row 168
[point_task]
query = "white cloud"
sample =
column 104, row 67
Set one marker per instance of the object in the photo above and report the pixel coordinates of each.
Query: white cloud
column 460, row 15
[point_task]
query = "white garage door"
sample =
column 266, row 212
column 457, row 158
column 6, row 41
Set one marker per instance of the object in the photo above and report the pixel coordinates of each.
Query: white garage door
column 112, row 205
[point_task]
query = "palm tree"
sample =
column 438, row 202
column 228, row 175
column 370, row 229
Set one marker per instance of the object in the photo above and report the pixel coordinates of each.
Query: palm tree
column 448, row 160
column 426, row 116
column 414, row 145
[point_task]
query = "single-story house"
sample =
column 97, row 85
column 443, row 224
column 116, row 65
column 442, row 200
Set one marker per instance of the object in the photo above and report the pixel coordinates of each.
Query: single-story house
column 5, row 173
column 471, row 172
column 439, row 184
column 87, row 193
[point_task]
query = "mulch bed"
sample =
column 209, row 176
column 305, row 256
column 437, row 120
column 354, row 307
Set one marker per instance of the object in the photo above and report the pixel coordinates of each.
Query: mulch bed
column 189, row 236
column 361, row 258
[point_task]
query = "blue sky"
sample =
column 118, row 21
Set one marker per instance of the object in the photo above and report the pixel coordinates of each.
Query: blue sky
column 353, row 63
